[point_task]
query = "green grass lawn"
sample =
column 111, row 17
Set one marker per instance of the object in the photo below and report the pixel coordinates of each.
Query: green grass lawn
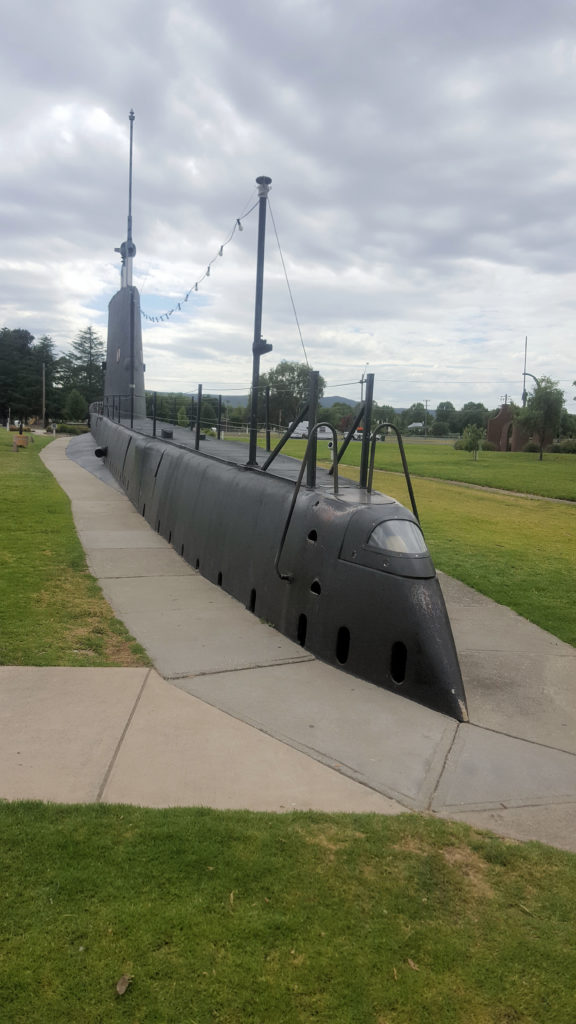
column 554, row 477
column 52, row 611
column 246, row 918
column 520, row 552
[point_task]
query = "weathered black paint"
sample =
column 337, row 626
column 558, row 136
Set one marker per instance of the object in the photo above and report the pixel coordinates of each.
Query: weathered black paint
column 124, row 361
column 378, row 615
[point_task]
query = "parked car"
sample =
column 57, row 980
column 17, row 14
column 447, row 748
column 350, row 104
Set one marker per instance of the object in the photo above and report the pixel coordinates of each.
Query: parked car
column 301, row 430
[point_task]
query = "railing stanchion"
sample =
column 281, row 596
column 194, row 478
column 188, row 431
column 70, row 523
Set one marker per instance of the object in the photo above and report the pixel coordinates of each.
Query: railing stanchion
column 402, row 456
column 198, row 411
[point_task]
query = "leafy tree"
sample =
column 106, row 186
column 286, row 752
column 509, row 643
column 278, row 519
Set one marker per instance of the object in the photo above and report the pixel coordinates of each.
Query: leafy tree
column 209, row 412
column 183, row 417
column 472, row 414
column 415, row 414
column 76, row 407
column 471, row 439
column 236, row 416
column 440, row 428
column 289, row 385
column 446, row 412
column 567, row 424
column 169, row 405
column 384, row 414
column 543, row 410
column 340, row 415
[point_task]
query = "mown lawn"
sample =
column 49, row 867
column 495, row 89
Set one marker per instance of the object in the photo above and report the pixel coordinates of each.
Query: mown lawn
column 52, row 611
column 520, row 552
column 554, row 477
column 243, row 918
column 246, row 918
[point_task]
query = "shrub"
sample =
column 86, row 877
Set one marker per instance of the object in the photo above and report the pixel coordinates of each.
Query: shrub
column 567, row 447
column 489, row 446
column 72, row 428
column 76, row 407
column 440, row 428
column 459, row 445
column 531, row 447
column 472, row 438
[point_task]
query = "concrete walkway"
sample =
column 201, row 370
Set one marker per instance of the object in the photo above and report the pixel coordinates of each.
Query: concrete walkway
column 235, row 715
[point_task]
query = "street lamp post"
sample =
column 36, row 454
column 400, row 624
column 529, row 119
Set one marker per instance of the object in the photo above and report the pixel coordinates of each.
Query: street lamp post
column 525, row 393
column 526, row 374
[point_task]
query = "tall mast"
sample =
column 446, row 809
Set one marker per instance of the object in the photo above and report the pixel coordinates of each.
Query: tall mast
column 128, row 250
column 130, row 247
column 260, row 346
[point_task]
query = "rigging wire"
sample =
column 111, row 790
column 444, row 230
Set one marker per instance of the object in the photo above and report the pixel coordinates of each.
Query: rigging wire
column 288, row 284
column 178, row 307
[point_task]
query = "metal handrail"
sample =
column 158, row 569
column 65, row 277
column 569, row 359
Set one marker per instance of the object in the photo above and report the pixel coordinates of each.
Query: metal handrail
column 288, row 577
column 373, row 440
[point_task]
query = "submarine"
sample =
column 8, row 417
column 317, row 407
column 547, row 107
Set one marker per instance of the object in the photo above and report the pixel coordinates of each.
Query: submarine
column 340, row 569
column 343, row 572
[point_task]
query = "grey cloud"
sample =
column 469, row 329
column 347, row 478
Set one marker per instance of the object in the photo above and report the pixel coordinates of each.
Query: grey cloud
column 421, row 153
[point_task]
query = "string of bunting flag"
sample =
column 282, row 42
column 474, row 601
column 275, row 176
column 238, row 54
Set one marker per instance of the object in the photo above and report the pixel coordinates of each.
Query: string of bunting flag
column 177, row 308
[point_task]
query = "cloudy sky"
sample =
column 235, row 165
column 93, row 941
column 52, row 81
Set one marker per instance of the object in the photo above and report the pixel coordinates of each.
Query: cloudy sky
column 423, row 159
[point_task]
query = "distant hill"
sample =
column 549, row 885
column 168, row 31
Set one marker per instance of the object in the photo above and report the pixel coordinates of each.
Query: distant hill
column 235, row 400
column 327, row 401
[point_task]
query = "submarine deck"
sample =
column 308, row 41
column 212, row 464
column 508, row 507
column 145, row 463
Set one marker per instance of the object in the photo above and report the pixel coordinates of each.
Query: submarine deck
column 236, row 453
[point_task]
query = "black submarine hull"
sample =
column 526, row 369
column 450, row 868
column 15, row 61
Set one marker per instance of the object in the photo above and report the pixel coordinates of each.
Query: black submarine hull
column 376, row 614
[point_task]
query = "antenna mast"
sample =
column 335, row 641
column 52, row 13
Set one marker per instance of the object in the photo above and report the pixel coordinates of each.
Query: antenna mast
column 128, row 250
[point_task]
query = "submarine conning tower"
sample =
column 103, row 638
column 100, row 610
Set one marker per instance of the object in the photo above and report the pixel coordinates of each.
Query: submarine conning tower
column 124, row 378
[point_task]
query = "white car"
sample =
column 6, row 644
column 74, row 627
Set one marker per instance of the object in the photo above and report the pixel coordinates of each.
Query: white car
column 301, row 430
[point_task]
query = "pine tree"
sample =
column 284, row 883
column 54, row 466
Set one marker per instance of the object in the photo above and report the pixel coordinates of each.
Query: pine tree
column 21, row 363
column 82, row 368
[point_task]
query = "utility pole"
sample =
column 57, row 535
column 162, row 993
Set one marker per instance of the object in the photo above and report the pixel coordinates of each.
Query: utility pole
column 43, row 396
column 426, row 400
column 259, row 345
column 362, row 382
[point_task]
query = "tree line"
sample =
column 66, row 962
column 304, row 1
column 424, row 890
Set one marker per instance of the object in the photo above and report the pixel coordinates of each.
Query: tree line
column 32, row 371
column 289, row 385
